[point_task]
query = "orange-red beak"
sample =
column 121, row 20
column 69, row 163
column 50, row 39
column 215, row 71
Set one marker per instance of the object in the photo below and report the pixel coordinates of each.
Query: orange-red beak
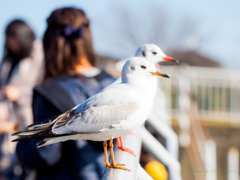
column 168, row 58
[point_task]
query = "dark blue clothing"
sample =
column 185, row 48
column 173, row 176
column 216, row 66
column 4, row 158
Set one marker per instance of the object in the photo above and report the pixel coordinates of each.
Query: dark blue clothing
column 77, row 160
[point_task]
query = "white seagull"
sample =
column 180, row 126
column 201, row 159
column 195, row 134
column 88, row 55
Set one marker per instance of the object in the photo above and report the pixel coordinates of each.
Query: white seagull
column 113, row 112
column 153, row 54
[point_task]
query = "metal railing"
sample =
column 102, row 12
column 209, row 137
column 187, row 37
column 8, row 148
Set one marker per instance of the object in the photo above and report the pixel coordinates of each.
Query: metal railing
column 134, row 142
column 216, row 90
column 160, row 121
column 152, row 145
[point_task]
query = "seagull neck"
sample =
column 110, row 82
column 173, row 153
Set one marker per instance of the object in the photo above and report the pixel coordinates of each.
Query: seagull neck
column 144, row 85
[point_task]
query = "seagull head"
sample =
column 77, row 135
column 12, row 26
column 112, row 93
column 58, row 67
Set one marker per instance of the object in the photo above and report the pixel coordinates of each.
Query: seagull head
column 139, row 68
column 153, row 54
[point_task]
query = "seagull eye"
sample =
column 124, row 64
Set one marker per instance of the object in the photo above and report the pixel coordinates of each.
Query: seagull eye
column 154, row 53
column 143, row 67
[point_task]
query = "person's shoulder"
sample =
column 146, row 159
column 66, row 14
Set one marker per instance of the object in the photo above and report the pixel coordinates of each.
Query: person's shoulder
column 52, row 86
column 104, row 78
column 96, row 73
column 104, row 75
column 60, row 91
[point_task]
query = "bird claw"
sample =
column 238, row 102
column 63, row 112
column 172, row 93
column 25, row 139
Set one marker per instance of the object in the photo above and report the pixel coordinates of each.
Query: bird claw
column 107, row 164
column 120, row 164
column 117, row 166
column 127, row 150
column 120, row 167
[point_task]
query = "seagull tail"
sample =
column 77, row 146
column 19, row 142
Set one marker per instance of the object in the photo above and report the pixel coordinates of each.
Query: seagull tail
column 26, row 133
column 33, row 129
column 48, row 141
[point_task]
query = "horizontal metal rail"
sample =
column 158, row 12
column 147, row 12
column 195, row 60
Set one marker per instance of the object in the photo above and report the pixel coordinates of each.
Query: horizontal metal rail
column 167, row 132
column 158, row 150
column 142, row 174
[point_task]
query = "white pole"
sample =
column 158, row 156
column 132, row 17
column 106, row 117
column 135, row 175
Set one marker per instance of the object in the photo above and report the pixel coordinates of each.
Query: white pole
column 210, row 160
column 233, row 164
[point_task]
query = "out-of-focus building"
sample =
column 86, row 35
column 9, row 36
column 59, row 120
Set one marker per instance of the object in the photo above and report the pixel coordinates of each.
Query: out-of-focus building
column 192, row 58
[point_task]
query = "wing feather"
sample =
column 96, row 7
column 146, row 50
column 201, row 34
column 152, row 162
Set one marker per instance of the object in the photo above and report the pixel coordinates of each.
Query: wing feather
column 93, row 119
column 101, row 112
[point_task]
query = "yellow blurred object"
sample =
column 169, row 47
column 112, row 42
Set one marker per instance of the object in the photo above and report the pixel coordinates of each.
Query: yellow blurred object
column 156, row 170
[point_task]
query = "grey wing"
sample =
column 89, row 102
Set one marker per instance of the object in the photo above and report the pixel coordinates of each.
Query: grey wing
column 93, row 119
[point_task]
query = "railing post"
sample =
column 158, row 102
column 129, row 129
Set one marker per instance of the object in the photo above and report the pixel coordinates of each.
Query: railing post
column 210, row 159
column 233, row 164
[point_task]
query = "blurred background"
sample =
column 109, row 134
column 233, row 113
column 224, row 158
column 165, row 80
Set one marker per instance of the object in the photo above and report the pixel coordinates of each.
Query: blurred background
column 201, row 99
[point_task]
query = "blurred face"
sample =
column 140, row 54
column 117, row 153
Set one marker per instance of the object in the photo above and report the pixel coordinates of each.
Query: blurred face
column 12, row 44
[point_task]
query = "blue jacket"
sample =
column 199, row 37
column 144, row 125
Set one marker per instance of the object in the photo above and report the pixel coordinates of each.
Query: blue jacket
column 77, row 160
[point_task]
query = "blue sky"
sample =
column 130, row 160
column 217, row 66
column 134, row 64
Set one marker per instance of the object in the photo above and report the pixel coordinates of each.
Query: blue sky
column 217, row 21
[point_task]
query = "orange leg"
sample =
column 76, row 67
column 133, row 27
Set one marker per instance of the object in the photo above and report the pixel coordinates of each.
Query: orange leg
column 105, row 153
column 121, row 146
column 113, row 164
column 118, row 143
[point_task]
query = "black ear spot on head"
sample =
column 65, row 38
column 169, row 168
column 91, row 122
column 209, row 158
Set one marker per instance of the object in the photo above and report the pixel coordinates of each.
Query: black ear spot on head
column 143, row 53
column 133, row 68
column 143, row 67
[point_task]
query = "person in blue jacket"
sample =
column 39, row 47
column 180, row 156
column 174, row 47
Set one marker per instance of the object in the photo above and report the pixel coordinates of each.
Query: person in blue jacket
column 70, row 78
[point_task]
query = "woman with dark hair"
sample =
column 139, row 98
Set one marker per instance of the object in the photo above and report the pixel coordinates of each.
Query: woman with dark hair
column 70, row 78
column 67, row 43
column 19, row 73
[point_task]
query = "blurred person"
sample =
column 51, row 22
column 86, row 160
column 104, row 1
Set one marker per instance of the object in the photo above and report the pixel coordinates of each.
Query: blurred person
column 70, row 78
column 20, row 70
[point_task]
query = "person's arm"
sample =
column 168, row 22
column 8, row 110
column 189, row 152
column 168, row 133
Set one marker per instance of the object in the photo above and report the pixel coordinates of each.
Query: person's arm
column 30, row 74
column 42, row 158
